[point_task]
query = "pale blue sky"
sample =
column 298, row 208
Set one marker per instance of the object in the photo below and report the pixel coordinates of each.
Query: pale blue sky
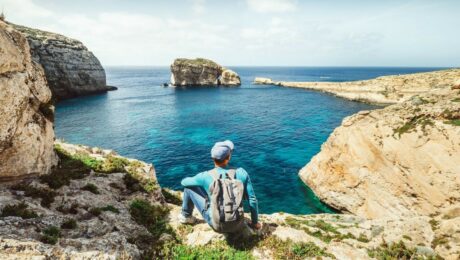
column 255, row 32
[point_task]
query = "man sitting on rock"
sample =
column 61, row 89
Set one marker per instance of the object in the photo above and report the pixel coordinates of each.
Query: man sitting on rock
column 218, row 194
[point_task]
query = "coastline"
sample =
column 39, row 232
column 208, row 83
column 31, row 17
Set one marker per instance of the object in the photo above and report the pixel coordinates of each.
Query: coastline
column 384, row 90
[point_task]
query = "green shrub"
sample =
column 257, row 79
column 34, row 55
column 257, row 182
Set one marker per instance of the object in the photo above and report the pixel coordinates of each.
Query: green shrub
column 455, row 122
column 290, row 250
column 95, row 211
column 363, row 238
column 73, row 209
column 207, row 252
column 69, row 168
column 114, row 164
column 134, row 183
column 46, row 195
column 51, row 235
column 91, row 188
column 18, row 210
column 153, row 217
column 170, row 197
column 110, row 208
column 69, row 224
column 396, row 251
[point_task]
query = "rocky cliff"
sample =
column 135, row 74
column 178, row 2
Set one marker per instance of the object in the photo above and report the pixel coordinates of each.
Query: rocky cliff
column 202, row 72
column 70, row 68
column 400, row 161
column 26, row 113
column 93, row 205
column 382, row 90
column 99, row 205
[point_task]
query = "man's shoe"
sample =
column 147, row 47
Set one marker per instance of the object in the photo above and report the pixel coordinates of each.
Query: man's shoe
column 187, row 220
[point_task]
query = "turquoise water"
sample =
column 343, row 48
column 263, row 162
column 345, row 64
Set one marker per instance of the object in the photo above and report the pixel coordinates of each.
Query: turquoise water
column 276, row 130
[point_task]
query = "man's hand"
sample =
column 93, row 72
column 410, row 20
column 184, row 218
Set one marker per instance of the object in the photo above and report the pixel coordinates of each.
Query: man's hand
column 256, row 226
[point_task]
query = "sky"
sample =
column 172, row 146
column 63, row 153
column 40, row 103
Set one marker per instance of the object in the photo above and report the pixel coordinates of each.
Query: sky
column 421, row 33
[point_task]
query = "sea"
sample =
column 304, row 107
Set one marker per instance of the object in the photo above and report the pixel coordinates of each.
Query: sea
column 276, row 130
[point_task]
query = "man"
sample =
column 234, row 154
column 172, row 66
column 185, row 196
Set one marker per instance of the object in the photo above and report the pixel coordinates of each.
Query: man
column 197, row 189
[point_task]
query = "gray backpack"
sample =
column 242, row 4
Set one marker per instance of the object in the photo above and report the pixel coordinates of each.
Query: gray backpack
column 226, row 202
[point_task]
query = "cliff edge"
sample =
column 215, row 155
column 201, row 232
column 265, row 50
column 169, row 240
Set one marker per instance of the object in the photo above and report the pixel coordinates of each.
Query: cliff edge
column 400, row 161
column 70, row 68
column 26, row 113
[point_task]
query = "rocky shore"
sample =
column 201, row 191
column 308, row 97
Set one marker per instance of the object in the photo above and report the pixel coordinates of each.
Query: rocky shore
column 202, row 72
column 394, row 171
column 382, row 90
column 70, row 68
column 98, row 205
column 400, row 161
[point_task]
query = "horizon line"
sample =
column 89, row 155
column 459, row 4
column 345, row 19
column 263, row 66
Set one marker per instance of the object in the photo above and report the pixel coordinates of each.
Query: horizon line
column 301, row 66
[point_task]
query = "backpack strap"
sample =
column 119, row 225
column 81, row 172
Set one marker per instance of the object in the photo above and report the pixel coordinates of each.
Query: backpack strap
column 231, row 174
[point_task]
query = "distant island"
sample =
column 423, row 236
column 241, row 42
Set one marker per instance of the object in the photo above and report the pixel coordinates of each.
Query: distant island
column 202, row 72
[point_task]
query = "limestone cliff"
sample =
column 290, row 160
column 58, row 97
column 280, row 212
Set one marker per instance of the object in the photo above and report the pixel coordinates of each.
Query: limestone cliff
column 202, row 72
column 26, row 114
column 94, row 205
column 382, row 90
column 70, row 68
column 400, row 161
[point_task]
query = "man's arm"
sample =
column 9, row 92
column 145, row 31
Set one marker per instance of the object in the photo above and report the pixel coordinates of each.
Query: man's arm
column 196, row 180
column 253, row 207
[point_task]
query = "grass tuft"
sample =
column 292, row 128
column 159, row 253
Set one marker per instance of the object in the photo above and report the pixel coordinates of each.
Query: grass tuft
column 396, row 251
column 110, row 208
column 95, row 211
column 18, row 210
column 69, row 224
column 91, row 188
column 153, row 217
column 171, row 197
column 46, row 195
column 51, row 235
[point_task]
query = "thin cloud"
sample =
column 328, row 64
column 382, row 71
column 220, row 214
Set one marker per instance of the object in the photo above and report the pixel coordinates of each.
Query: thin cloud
column 272, row 6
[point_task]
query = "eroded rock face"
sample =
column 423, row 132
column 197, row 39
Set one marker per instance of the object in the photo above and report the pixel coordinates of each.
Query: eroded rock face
column 103, row 227
column 341, row 236
column 202, row 72
column 26, row 114
column 400, row 161
column 70, row 68
column 381, row 90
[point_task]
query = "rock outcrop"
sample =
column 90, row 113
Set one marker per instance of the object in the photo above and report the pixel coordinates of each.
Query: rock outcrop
column 94, row 205
column 400, row 161
column 382, row 90
column 202, row 72
column 26, row 113
column 334, row 236
column 70, row 68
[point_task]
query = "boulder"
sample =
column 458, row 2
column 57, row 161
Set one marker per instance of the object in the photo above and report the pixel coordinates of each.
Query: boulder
column 202, row 72
column 70, row 68
column 263, row 81
column 456, row 85
column 26, row 113
column 400, row 161
column 230, row 78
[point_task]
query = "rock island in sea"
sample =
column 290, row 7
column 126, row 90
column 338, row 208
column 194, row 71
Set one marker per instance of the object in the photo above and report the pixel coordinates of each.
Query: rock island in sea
column 202, row 72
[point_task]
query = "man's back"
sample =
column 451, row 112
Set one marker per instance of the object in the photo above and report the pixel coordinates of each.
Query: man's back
column 204, row 180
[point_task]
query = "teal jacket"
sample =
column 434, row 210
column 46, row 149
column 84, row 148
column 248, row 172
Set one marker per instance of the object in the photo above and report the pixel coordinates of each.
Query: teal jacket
column 204, row 180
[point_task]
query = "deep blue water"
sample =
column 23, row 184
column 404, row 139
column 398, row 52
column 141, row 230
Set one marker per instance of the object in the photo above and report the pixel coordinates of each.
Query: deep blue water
column 276, row 130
